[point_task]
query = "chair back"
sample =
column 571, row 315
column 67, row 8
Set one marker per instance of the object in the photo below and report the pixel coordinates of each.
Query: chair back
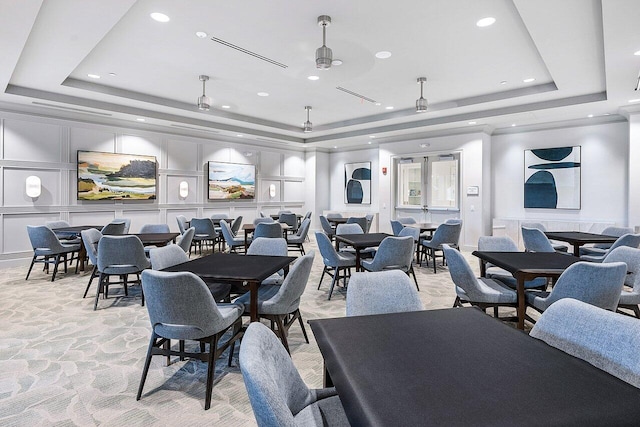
column 362, row 222
column 613, row 231
column 349, row 229
column 304, row 229
column 630, row 240
column 267, row 220
column 227, row 233
column 381, row 292
column 462, row 274
column 57, row 224
column 631, row 257
column 307, row 215
column 414, row 232
column 446, row 233
column 290, row 219
column 43, row 238
column 268, row 229
column 453, row 221
column 121, row 251
column 326, row 226
column 594, row 283
column 497, row 244
column 404, row 220
column 219, row 216
column 204, row 227
column 333, row 215
column 396, row 226
column 235, row 226
column 167, row 256
column 127, row 224
column 327, row 251
column 182, row 223
column 287, row 299
column 393, row 253
column 180, row 305
column 268, row 246
column 537, row 225
column 285, row 211
column 154, row 228
column 114, row 228
column 187, row 238
column 369, row 218
column 276, row 390
column 90, row 238
column 608, row 341
column 262, row 215
column 535, row 240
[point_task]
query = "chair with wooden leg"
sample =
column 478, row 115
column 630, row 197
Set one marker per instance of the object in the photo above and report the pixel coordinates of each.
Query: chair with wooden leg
column 334, row 262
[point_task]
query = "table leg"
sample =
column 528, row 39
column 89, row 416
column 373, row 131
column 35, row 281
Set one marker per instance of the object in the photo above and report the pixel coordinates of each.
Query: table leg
column 82, row 254
column 246, row 245
column 326, row 378
column 521, row 303
column 576, row 249
column 358, row 268
column 253, row 301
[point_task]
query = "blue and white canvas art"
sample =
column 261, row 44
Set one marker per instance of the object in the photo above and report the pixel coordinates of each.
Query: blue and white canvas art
column 552, row 178
column 357, row 183
column 231, row 181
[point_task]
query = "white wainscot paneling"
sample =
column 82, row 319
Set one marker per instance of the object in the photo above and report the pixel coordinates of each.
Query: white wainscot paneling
column 294, row 165
column 14, row 229
column 15, row 191
column 89, row 140
column 32, row 141
column 140, row 218
column 293, row 191
column 248, row 214
column 173, row 213
column 91, row 218
column 173, row 189
column 182, row 156
column 270, row 163
column 264, row 191
column 217, row 210
column 145, row 146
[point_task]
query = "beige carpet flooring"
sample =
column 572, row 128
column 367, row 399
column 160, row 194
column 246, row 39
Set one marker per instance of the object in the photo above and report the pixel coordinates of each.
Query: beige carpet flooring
column 62, row 364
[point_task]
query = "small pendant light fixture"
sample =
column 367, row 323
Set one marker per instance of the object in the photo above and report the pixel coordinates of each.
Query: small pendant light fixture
column 307, row 126
column 324, row 55
column 421, row 103
column 204, row 101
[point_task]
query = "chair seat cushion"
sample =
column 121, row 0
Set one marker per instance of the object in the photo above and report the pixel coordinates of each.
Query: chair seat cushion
column 592, row 258
column 493, row 292
column 537, row 299
column 324, row 412
column 510, row 281
column 590, row 250
column 265, row 293
column 629, row 298
column 219, row 291
column 344, row 260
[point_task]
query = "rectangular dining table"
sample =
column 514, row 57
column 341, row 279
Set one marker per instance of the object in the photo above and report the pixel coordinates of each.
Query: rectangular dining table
column 579, row 238
column 75, row 232
column 525, row 266
column 158, row 239
column 361, row 241
column 250, row 228
column 459, row 366
column 247, row 270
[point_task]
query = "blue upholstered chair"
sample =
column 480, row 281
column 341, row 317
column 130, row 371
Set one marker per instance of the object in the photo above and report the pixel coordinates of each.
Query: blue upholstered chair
column 630, row 240
column 182, row 223
column 115, row 228
column 235, row 226
column 405, row 220
column 290, row 219
column 334, row 262
column 119, row 256
column 281, row 304
column 327, row 228
column 127, row 224
column 381, row 292
column 453, row 221
column 276, row 391
column 445, row 234
column 219, row 216
column 333, row 215
column 394, row 253
column 396, row 227
column 187, row 239
column 557, row 246
column 362, row 222
column 608, row 341
column 90, row 239
column 205, row 233
column 154, row 228
column 505, row 244
column 268, row 229
column 369, row 218
column 48, row 249
column 535, row 240
column 594, row 283
column 271, row 247
column 66, row 239
column 266, row 219
column 181, row 307
column 601, row 248
column 481, row 292
column 298, row 239
column 629, row 299
column 230, row 238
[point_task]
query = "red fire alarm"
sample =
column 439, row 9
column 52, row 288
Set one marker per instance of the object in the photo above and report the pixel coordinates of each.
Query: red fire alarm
column 384, row 171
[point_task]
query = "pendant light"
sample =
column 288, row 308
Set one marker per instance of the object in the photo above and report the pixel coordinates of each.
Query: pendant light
column 204, row 101
column 421, row 103
column 324, row 56
column 307, row 126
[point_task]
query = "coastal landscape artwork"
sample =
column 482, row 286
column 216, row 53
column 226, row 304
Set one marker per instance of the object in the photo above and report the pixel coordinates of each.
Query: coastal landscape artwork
column 113, row 176
column 231, row 181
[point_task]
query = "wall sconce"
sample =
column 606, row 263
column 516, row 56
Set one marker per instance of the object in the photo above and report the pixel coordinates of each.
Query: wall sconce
column 272, row 191
column 184, row 189
column 384, row 170
column 33, row 186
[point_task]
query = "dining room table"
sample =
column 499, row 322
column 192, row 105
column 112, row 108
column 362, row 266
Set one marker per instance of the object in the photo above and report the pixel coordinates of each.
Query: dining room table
column 156, row 239
column 246, row 270
column 460, row 367
column 579, row 238
column 424, row 227
column 250, row 228
column 74, row 232
column 360, row 242
column 525, row 266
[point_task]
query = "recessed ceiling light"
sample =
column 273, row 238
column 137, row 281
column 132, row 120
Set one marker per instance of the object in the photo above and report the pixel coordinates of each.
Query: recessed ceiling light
column 425, row 145
column 607, row 114
column 631, row 101
column 201, row 34
column 263, row 94
column 390, row 107
column 336, row 62
column 140, row 119
column 590, row 115
column 313, row 77
column 472, row 123
column 637, row 53
column 112, row 74
column 369, row 142
column 485, row 22
column 378, row 103
column 335, row 146
column 383, row 54
column 372, row 136
column 226, row 106
column 513, row 124
column 504, row 82
column 529, row 80
column 93, row 76
column 160, row 17
column 239, row 135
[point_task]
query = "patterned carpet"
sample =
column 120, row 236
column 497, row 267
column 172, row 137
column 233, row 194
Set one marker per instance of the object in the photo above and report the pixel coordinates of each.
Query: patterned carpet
column 62, row 364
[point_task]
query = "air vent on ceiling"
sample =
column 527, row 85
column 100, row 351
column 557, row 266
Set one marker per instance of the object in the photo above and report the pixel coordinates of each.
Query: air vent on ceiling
column 350, row 92
column 192, row 128
column 78, row 110
column 248, row 52
column 272, row 141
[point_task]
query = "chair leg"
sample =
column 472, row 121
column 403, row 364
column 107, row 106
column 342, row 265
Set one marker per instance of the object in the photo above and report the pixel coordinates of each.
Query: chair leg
column 33, row 260
column 213, row 345
column 304, row 331
column 333, row 282
column 415, row 279
column 93, row 275
column 495, row 311
column 457, row 302
column 147, row 362
column 55, row 267
column 433, row 258
column 100, row 284
column 282, row 332
column 636, row 310
column 324, row 270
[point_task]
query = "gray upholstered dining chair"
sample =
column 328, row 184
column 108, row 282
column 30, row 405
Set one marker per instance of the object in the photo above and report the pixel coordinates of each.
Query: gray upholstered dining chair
column 558, row 247
column 608, row 341
column 127, row 224
column 396, row 227
column 453, row 221
column 394, row 253
column 631, row 256
column 380, row 293
column 187, row 239
column 270, row 247
column 333, row 215
column 278, row 395
column 601, row 248
column 334, row 262
column 445, row 234
column 327, row 228
column 155, row 228
column 297, row 240
column 235, row 225
column 535, row 240
column 48, row 249
column 405, row 220
column 505, row 244
column 62, row 224
column 266, row 229
column 182, row 223
column 119, row 256
column 205, row 232
column 219, row 216
column 181, row 307
column 362, row 222
column 290, row 219
column 481, row 292
column 115, row 228
column 230, row 238
column 595, row 284
column 266, row 219
column 281, row 304
column 630, row 240
column 90, row 239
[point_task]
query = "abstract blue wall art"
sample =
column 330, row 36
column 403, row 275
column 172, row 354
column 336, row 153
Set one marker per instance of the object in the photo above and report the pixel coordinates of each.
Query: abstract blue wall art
column 357, row 183
column 552, row 178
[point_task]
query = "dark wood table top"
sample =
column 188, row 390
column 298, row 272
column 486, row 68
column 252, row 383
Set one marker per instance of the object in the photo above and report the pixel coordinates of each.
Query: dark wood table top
column 155, row 238
column 277, row 217
column 517, row 262
column 461, row 367
column 579, row 237
column 76, row 229
column 424, row 226
column 251, row 227
column 337, row 221
column 363, row 240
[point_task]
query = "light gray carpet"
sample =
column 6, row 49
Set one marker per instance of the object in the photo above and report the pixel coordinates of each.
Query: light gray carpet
column 62, row 364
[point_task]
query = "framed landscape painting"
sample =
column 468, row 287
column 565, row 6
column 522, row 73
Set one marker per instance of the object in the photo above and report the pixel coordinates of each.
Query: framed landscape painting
column 357, row 183
column 113, row 176
column 552, row 178
column 231, row 181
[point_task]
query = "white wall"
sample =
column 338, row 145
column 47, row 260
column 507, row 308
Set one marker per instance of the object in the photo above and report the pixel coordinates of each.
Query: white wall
column 604, row 152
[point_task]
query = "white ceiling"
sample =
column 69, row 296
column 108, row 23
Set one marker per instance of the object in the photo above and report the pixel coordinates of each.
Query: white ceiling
column 580, row 53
